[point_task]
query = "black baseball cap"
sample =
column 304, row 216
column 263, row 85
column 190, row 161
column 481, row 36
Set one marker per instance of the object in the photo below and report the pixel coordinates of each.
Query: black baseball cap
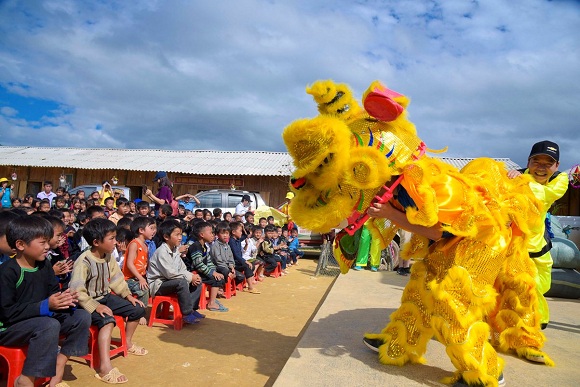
column 547, row 148
column 246, row 197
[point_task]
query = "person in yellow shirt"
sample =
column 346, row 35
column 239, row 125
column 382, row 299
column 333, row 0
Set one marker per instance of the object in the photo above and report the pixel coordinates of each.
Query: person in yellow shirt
column 105, row 192
column 548, row 186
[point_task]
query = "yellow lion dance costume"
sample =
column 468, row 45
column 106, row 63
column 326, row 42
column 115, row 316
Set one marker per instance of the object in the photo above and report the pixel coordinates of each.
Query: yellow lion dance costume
column 477, row 276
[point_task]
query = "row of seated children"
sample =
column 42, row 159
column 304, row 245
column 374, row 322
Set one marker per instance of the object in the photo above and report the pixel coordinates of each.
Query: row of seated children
column 35, row 311
column 168, row 272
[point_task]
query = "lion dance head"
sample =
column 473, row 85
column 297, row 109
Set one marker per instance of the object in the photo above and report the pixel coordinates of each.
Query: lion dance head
column 345, row 155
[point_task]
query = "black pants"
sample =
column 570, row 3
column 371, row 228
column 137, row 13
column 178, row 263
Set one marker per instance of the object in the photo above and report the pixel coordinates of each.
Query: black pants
column 120, row 307
column 187, row 294
column 245, row 269
column 270, row 262
column 41, row 334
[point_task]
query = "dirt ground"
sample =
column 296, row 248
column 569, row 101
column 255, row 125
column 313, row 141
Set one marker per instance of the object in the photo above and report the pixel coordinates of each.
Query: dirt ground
column 247, row 346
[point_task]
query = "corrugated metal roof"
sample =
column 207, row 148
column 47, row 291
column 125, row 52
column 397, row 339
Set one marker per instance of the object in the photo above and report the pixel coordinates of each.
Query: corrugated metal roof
column 204, row 162
column 460, row 162
column 186, row 161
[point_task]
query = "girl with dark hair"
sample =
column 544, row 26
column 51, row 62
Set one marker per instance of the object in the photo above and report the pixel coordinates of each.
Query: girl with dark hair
column 164, row 194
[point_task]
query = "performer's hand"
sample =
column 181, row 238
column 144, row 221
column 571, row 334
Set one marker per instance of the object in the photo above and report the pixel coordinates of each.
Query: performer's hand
column 383, row 210
column 512, row 174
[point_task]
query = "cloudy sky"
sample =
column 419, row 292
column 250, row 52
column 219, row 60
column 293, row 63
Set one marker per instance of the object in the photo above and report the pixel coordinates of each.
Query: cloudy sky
column 486, row 78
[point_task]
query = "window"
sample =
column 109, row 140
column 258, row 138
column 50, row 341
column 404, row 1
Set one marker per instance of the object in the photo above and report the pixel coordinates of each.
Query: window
column 234, row 200
column 210, row 200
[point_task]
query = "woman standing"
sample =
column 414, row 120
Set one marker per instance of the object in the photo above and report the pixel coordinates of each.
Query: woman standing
column 165, row 192
column 6, row 193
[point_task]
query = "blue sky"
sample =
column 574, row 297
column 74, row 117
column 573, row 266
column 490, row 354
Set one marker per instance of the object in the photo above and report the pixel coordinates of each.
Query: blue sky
column 485, row 78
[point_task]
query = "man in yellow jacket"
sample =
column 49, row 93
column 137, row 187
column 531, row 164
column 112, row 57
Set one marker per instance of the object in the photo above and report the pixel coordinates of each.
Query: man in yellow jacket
column 548, row 186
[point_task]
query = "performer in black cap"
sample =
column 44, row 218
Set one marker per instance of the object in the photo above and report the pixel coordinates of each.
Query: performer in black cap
column 548, row 186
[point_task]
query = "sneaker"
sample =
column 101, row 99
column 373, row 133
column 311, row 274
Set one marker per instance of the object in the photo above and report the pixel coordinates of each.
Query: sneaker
column 403, row 271
column 197, row 314
column 191, row 319
column 375, row 269
column 536, row 358
column 463, row 383
column 501, row 380
column 357, row 268
column 373, row 344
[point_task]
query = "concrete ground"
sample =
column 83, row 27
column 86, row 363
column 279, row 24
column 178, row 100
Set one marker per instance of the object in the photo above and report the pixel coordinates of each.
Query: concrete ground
column 331, row 352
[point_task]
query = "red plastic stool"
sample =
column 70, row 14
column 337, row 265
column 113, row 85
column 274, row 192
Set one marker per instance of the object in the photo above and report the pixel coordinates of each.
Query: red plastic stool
column 230, row 288
column 120, row 345
column 165, row 301
column 277, row 272
column 14, row 357
column 203, row 299
column 240, row 287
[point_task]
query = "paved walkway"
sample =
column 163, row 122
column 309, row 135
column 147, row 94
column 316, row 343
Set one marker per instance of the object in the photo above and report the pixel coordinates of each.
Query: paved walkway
column 331, row 352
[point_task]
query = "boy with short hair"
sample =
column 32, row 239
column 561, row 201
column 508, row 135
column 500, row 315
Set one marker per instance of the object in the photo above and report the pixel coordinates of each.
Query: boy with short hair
column 44, row 205
column 61, row 265
column 164, row 214
column 167, row 274
column 250, row 247
column 103, row 292
column 122, row 210
column 266, row 250
column 109, row 204
column 221, row 252
column 33, row 310
column 198, row 258
column 47, row 193
column 59, row 202
column 263, row 222
column 143, row 208
column 293, row 246
column 240, row 263
column 124, row 237
column 5, row 250
column 137, row 258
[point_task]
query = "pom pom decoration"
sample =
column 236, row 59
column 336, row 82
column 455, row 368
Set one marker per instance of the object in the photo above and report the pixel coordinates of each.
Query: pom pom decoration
column 574, row 176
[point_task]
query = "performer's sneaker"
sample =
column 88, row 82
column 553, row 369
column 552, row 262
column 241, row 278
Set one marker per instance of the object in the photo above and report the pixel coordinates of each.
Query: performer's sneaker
column 463, row 383
column 536, row 358
column 403, row 271
column 373, row 344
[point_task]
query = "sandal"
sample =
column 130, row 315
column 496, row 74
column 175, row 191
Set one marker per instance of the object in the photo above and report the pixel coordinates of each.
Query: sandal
column 254, row 291
column 61, row 384
column 221, row 308
column 112, row 377
column 137, row 350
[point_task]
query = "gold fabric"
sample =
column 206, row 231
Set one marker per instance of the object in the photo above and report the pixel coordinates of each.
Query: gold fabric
column 460, row 287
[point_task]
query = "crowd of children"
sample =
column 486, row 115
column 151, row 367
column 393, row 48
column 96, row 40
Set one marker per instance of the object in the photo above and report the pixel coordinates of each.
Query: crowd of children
column 68, row 262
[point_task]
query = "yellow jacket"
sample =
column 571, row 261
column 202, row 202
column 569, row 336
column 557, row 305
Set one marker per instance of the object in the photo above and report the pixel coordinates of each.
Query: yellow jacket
column 547, row 194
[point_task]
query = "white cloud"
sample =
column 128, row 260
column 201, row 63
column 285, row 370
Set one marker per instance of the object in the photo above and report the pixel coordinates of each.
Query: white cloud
column 8, row 111
column 485, row 78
